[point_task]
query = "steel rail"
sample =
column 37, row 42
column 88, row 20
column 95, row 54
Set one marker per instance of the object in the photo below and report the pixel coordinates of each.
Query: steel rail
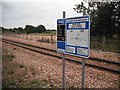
column 68, row 59
column 95, row 59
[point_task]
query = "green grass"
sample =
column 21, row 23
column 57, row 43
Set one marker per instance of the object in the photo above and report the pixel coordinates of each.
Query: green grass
column 47, row 33
column 107, row 46
column 21, row 66
column 35, row 84
column 10, row 71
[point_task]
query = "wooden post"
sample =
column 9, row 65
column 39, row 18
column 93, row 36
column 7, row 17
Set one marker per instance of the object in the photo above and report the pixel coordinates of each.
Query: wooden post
column 36, row 37
column 51, row 38
column 103, row 42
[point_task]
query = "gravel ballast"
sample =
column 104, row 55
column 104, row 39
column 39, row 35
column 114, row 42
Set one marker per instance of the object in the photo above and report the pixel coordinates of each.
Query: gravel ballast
column 49, row 69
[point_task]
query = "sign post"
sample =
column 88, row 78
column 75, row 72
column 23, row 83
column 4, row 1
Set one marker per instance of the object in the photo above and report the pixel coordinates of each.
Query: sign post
column 78, row 39
column 63, row 71
column 63, row 64
column 61, row 44
column 78, row 36
column 73, row 37
column 83, row 72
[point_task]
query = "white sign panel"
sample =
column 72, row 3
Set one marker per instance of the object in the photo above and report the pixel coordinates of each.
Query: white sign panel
column 78, row 36
column 70, row 49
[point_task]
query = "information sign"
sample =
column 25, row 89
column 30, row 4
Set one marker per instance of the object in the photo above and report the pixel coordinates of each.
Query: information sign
column 61, row 35
column 78, row 36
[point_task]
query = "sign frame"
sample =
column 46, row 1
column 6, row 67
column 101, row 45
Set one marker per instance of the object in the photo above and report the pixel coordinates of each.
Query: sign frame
column 60, row 45
column 87, row 27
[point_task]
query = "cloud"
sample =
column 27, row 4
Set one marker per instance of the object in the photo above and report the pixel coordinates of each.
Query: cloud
column 45, row 12
column 0, row 14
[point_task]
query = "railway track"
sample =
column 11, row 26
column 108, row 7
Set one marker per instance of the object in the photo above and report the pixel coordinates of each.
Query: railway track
column 91, row 62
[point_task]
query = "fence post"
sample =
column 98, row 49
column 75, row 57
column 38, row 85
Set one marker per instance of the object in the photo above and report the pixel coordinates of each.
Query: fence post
column 103, row 42
column 42, row 38
column 26, row 36
column 51, row 38
column 36, row 37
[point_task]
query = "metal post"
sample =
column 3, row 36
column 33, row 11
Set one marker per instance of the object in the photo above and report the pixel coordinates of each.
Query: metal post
column 64, row 14
column 83, row 61
column 63, row 71
column 83, row 72
column 84, row 11
column 63, row 64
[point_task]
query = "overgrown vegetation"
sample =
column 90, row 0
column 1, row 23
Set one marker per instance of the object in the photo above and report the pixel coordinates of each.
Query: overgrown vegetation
column 105, row 18
column 105, row 44
column 14, row 74
column 46, row 33
column 11, row 71
column 104, row 24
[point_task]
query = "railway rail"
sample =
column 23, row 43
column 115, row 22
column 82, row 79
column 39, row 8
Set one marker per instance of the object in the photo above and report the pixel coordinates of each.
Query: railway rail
column 105, row 65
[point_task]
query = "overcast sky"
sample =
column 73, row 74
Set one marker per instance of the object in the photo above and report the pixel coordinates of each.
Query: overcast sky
column 18, row 13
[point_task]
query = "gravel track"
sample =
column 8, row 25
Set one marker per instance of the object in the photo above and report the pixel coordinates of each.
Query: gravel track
column 95, row 54
column 89, row 61
column 49, row 69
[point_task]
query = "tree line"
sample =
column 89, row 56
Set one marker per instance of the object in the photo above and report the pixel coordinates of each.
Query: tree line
column 104, row 18
column 28, row 29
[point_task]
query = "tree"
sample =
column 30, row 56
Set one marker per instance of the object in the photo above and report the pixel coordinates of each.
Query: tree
column 118, row 19
column 15, row 30
column 3, row 29
column 29, row 29
column 20, row 29
column 105, row 21
column 40, row 29
column 104, row 17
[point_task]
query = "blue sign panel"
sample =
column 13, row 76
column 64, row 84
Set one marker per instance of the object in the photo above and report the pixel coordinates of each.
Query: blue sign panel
column 78, row 36
column 61, row 35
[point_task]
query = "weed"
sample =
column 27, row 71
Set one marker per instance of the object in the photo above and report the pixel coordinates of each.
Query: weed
column 51, row 85
column 33, row 71
column 13, row 82
column 44, row 40
column 34, row 81
column 9, row 71
column 13, row 75
column 21, row 66
column 8, row 57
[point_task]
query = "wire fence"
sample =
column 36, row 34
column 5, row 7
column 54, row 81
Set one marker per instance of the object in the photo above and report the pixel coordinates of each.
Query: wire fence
column 105, row 44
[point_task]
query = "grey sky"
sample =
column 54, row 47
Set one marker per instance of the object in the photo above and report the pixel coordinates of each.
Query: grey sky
column 35, row 12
